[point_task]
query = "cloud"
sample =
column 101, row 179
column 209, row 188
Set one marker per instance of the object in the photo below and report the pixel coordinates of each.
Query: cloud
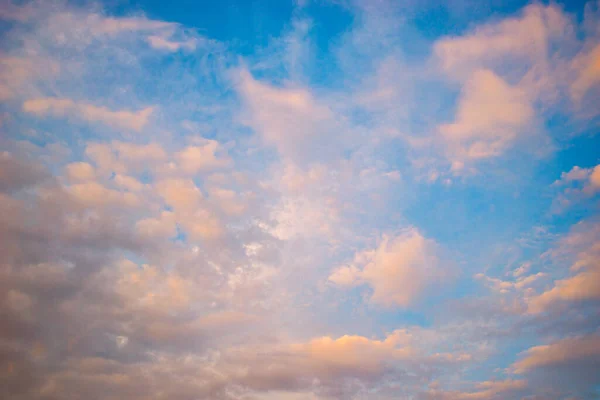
column 163, row 227
column 565, row 352
column 580, row 287
column 93, row 194
column 190, row 211
column 58, row 107
column 582, row 248
column 587, row 66
column 16, row 174
column 17, row 74
column 491, row 114
column 486, row 390
column 398, row 270
column 202, row 157
column 171, row 265
column 80, row 171
column 525, row 38
column 511, row 73
column 123, row 157
column 159, row 42
column 181, row 194
column 579, row 182
column 12, row 12
column 289, row 119
column 355, row 354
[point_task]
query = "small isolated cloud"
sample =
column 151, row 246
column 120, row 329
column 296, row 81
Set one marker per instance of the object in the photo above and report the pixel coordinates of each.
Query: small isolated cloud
column 57, row 107
column 398, row 270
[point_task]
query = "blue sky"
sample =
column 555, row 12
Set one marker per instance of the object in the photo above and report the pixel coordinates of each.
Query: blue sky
column 299, row 200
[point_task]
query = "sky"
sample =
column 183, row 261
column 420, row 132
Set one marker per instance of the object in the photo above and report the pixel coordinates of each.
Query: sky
column 299, row 200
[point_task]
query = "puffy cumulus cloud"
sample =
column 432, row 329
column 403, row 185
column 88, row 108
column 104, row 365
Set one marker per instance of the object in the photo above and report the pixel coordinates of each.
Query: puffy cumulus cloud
column 181, row 194
column 484, row 391
column 512, row 72
column 190, row 210
column 68, row 108
column 356, row 353
column 120, row 157
column 576, row 185
column 290, row 370
column 80, row 171
column 398, row 270
column 490, row 116
column 76, row 311
column 329, row 366
column 164, row 226
column 202, row 157
column 167, row 265
column 79, row 314
column 93, row 194
column 123, row 157
column 230, row 202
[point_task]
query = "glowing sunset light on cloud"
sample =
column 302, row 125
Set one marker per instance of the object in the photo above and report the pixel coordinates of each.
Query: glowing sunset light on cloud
column 299, row 200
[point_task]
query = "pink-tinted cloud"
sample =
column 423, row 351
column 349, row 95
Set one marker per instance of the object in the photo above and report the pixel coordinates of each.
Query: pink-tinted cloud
column 57, row 107
column 559, row 353
column 398, row 270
